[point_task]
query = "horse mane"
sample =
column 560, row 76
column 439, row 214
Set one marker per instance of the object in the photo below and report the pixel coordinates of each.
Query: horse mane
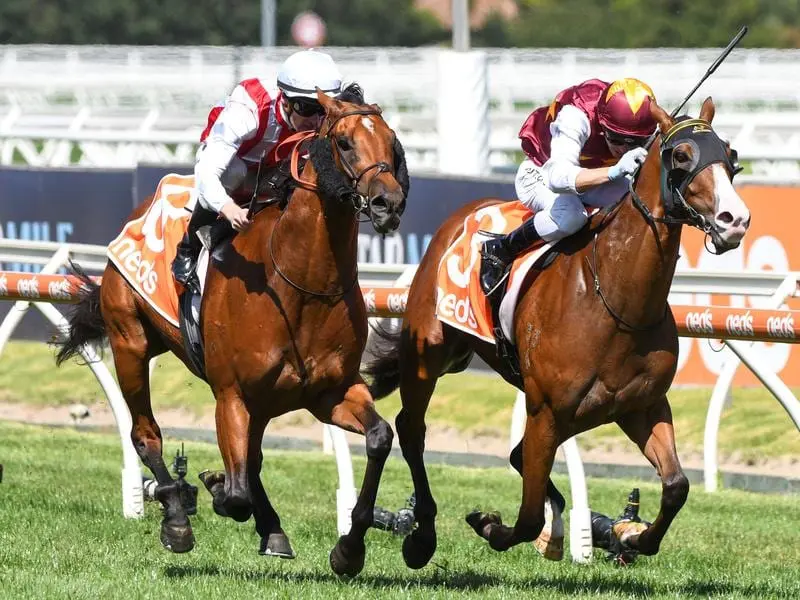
column 331, row 182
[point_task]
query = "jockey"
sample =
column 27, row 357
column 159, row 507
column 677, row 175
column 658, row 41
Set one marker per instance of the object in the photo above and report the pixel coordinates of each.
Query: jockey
column 578, row 150
column 244, row 131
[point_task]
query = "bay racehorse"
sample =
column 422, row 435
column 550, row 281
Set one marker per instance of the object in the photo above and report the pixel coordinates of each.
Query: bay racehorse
column 284, row 327
column 596, row 340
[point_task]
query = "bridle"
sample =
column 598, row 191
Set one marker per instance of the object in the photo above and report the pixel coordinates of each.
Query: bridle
column 360, row 202
column 708, row 149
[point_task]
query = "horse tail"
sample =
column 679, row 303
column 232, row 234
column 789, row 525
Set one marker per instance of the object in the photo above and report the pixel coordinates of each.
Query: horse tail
column 85, row 321
column 383, row 368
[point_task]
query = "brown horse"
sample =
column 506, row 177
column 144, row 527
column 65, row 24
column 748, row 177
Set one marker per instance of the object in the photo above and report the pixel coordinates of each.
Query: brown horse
column 284, row 326
column 595, row 337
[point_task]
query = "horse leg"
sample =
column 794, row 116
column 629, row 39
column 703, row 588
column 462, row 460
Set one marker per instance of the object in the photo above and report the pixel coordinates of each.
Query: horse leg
column 230, row 489
column 415, row 392
column 539, row 446
column 356, row 412
column 129, row 345
column 550, row 543
column 274, row 541
column 652, row 431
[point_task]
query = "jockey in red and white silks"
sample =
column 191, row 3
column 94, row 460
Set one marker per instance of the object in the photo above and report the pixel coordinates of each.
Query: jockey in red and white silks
column 578, row 151
column 245, row 130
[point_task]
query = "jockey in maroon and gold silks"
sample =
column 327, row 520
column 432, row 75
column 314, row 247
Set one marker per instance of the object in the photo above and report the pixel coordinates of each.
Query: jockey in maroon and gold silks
column 579, row 151
column 535, row 133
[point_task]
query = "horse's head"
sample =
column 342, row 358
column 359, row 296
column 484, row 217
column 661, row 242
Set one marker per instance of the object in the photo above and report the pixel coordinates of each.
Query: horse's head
column 359, row 160
column 697, row 170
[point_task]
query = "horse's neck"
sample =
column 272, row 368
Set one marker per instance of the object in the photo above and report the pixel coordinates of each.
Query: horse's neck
column 321, row 239
column 639, row 260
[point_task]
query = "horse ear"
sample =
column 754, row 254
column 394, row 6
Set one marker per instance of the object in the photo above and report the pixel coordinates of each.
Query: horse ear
column 707, row 110
column 330, row 105
column 665, row 122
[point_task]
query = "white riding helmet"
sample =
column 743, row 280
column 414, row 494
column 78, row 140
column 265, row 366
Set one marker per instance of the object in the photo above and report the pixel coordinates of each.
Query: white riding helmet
column 304, row 71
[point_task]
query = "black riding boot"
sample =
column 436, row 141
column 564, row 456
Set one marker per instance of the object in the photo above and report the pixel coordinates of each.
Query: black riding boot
column 498, row 253
column 189, row 247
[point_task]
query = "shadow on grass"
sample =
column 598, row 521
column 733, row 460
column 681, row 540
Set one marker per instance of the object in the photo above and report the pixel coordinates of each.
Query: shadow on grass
column 469, row 580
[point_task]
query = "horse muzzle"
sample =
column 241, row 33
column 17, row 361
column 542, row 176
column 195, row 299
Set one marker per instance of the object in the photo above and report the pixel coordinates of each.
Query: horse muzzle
column 385, row 211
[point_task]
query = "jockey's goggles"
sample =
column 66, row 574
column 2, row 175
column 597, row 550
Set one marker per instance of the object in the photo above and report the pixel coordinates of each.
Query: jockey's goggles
column 629, row 141
column 306, row 107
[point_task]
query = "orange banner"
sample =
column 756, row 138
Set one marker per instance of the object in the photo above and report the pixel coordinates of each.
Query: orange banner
column 771, row 244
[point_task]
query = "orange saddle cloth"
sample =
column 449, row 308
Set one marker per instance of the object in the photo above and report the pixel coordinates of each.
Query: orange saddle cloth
column 460, row 301
column 145, row 249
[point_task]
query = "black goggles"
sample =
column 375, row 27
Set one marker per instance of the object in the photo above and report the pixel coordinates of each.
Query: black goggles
column 306, row 107
column 629, row 141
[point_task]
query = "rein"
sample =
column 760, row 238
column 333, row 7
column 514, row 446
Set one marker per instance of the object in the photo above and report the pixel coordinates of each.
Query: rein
column 710, row 150
column 360, row 201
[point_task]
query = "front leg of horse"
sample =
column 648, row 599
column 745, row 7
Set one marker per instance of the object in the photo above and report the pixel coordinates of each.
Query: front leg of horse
column 653, row 432
column 356, row 412
column 539, row 446
column 230, row 489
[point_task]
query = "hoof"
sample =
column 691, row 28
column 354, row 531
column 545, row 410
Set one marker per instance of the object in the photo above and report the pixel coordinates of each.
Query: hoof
column 417, row 552
column 276, row 544
column 211, row 479
column 550, row 543
column 177, row 539
column 347, row 562
column 481, row 522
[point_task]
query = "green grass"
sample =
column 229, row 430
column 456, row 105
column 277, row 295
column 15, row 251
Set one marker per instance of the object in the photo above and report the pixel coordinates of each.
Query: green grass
column 62, row 536
column 754, row 427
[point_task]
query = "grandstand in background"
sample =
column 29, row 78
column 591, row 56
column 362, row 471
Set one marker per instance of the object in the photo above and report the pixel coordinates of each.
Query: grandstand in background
column 114, row 106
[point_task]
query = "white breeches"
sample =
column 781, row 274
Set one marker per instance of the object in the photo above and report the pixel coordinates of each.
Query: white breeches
column 559, row 215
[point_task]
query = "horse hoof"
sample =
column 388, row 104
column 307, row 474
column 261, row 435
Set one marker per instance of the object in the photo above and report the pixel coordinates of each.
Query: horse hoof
column 418, row 552
column 551, row 548
column 481, row 522
column 210, row 479
column 346, row 562
column 177, row 538
column 276, row 544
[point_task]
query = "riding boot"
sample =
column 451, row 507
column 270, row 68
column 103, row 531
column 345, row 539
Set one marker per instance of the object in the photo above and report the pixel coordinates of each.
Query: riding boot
column 498, row 253
column 183, row 267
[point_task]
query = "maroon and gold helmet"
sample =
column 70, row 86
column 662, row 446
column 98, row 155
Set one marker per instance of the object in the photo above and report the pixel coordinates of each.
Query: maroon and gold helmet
column 624, row 109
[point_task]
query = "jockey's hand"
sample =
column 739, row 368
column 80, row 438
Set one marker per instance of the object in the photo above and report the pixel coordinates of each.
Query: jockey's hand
column 628, row 164
column 236, row 215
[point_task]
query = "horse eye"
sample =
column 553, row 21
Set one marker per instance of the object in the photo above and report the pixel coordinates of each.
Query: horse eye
column 681, row 157
column 343, row 143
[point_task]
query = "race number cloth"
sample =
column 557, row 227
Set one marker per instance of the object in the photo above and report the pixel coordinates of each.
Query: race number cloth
column 145, row 249
column 460, row 301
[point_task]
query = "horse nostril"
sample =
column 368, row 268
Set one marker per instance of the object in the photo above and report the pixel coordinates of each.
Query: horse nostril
column 725, row 218
column 379, row 203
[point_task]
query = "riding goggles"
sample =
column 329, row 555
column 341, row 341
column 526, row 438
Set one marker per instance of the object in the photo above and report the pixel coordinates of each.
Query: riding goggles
column 306, row 107
column 629, row 141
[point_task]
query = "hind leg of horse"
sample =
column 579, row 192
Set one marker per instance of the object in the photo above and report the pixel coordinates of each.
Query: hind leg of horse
column 231, row 490
column 356, row 412
column 653, row 432
column 130, row 348
column 539, row 446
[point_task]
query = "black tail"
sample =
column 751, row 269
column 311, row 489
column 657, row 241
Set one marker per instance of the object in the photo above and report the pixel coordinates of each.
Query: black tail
column 85, row 321
column 383, row 368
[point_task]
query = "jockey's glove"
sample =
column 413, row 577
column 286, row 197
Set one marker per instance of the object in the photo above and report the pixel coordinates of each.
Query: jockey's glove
column 628, row 164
